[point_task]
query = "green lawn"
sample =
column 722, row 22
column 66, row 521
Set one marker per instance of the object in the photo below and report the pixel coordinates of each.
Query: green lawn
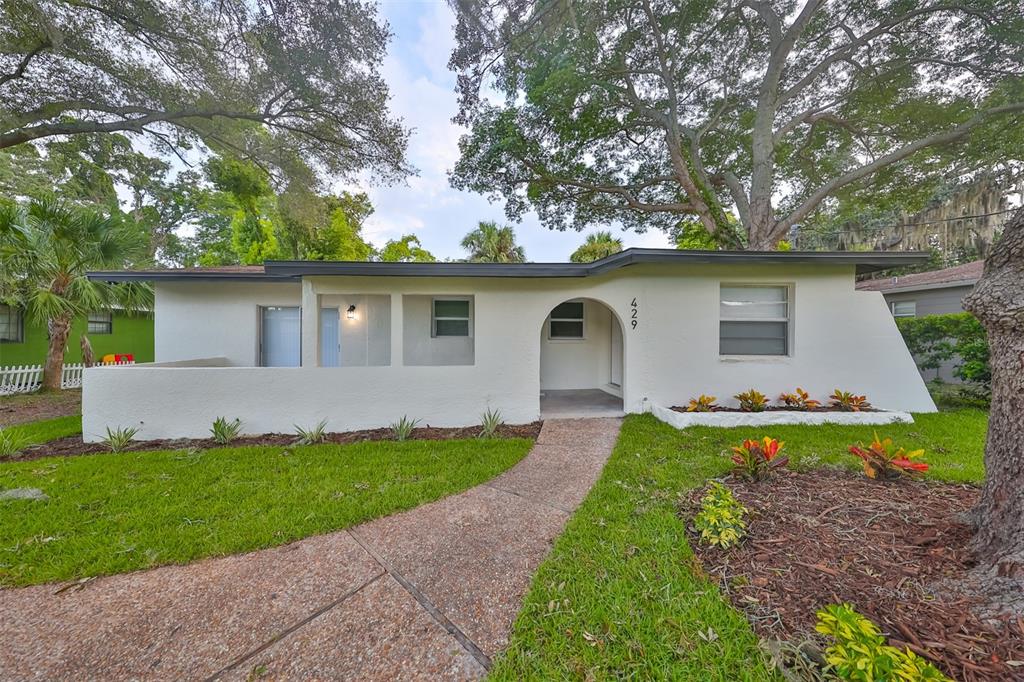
column 112, row 513
column 620, row 595
column 34, row 433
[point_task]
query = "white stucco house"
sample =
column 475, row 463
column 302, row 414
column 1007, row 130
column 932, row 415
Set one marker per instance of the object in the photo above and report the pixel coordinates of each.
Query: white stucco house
column 362, row 344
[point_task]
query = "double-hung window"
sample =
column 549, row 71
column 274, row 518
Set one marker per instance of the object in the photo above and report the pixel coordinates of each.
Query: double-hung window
column 100, row 323
column 566, row 321
column 11, row 329
column 904, row 308
column 450, row 317
column 754, row 320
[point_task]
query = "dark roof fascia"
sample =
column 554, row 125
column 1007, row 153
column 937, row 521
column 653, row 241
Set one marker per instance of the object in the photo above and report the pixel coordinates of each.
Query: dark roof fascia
column 184, row 276
column 283, row 271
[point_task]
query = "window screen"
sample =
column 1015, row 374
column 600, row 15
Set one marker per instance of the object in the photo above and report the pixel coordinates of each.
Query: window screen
column 754, row 320
column 100, row 323
column 451, row 317
column 280, row 337
column 10, row 324
column 904, row 308
column 567, row 321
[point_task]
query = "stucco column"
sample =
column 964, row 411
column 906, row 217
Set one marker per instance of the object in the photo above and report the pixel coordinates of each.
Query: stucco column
column 397, row 331
column 310, row 324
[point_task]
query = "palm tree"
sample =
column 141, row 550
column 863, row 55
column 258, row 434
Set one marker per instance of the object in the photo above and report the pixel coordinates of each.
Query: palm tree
column 597, row 246
column 493, row 243
column 47, row 247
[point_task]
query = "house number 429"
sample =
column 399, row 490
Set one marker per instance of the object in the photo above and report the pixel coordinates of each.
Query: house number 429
column 633, row 314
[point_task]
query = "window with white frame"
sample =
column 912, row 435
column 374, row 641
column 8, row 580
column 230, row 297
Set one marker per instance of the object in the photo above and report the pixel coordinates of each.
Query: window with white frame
column 100, row 323
column 11, row 329
column 566, row 321
column 904, row 308
column 754, row 320
column 450, row 317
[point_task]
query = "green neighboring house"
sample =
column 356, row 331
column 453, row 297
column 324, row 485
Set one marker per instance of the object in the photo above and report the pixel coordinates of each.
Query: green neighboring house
column 23, row 342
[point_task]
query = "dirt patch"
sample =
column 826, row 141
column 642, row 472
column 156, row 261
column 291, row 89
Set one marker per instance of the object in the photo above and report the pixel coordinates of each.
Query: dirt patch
column 827, row 536
column 18, row 409
column 73, row 446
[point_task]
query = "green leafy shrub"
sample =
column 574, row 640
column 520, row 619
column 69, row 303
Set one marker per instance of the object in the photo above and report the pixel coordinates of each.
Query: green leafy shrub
column 752, row 401
column 720, row 520
column 312, row 436
column 702, row 403
column 859, row 653
column 120, row 438
column 224, row 431
column 935, row 339
column 402, row 428
column 11, row 442
column 489, row 423
column 755, row 460
column 848, row 402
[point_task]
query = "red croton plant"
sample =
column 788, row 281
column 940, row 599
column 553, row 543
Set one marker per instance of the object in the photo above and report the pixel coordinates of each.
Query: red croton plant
column 880, row 463
column 756, row 459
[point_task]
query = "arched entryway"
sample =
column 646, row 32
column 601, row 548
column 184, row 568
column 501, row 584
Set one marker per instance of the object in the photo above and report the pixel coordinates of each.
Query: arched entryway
column 581, row 360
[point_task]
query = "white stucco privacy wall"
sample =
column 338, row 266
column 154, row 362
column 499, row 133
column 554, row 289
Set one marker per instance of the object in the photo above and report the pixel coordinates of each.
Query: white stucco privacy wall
column 840, row 338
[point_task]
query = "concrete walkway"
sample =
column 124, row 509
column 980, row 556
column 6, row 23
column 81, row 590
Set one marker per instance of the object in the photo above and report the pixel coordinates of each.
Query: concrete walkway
column 426, row 594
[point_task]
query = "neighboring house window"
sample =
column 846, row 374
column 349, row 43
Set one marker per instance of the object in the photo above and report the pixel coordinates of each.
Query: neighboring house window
column 450, row 317
column 754, row 320
column 904, row 308
column 11, row 329
column 100, row 323
column 566, row 321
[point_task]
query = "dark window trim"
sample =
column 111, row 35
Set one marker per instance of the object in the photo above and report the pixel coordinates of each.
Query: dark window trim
column 21, row 324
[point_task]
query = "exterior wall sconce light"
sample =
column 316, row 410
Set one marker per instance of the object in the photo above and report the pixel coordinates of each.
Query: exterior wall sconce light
column 351, row 312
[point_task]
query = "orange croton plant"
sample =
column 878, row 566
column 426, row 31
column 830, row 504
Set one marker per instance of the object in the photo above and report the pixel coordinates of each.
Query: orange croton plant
column 880, row 463
column 756, row 459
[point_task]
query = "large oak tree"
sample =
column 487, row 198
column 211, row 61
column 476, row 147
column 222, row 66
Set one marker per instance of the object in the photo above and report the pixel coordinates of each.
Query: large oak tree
column 647, row 111
column 273, row 80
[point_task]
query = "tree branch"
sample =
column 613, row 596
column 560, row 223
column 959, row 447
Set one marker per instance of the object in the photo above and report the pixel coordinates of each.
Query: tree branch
column 23, row 64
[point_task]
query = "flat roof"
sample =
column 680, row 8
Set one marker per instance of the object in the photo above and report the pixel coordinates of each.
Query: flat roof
column 865, row 262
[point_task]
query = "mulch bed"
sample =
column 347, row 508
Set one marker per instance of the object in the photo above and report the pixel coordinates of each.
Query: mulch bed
column 73, row 446
column 773, row 408
column 890, row 549
column 19, row 409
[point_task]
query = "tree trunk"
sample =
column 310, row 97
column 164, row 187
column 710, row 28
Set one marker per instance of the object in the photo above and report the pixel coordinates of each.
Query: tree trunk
column 998, row 302
column 60, row 328
column 88, row 357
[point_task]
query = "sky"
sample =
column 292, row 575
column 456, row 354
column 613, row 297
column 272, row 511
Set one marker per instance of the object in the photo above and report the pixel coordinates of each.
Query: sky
column 423, row 94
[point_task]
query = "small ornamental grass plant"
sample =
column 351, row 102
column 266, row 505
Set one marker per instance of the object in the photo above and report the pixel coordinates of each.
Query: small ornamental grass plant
column 702, row 403
column 799, row 400
column 403, row 428
column 489, row 423
column 848, row 402
column 881, row 461
column 223, row 431
column 720, row 520
column 311, row 436
column 11, row 442
column 120, row 438
column 858, row 651
column 755, row 460
column 752, row 401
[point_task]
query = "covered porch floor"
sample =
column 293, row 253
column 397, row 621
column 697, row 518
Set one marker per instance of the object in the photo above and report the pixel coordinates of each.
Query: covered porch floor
column 579, row 403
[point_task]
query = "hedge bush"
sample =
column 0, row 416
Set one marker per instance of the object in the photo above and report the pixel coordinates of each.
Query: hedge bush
column 935, row 339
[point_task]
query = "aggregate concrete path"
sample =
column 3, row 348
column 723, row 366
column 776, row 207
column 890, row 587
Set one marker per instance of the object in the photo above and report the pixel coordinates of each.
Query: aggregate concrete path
column 430, row 593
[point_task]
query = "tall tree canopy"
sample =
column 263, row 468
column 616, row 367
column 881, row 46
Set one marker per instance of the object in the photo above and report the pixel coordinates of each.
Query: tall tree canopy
column 595, row 247
column 493, row 243
column 408, row 249
column 644, row 111
column 266, row 79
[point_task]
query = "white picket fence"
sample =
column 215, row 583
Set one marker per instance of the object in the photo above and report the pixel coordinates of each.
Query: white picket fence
column 28, row 378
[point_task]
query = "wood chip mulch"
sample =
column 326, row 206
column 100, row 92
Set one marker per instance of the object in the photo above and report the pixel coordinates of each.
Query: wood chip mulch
column 73, row 446
column 893, row 550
